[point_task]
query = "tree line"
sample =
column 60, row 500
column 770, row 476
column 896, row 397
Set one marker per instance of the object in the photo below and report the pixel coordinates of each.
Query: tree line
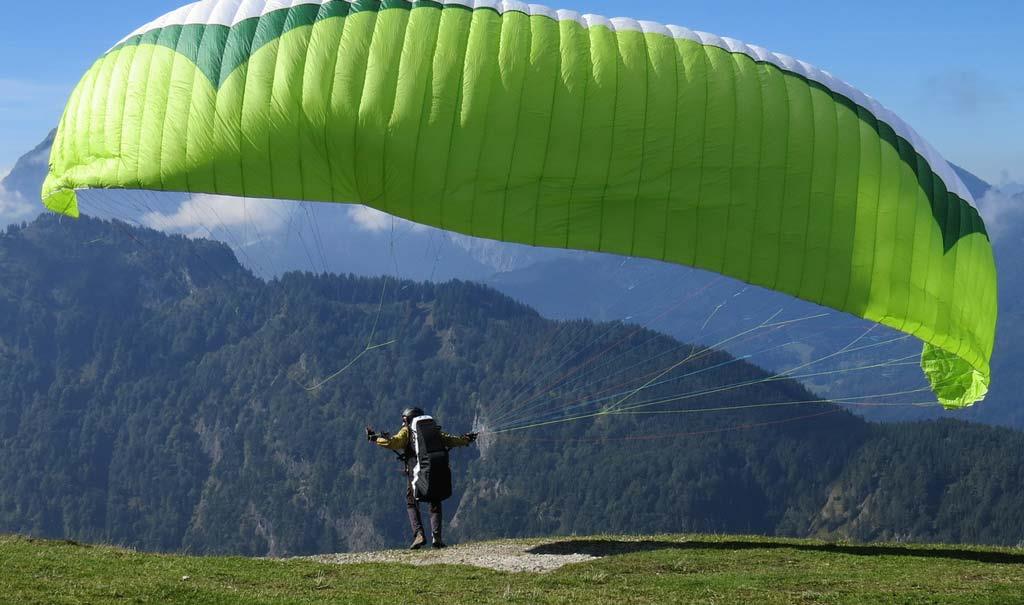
column 159, row 395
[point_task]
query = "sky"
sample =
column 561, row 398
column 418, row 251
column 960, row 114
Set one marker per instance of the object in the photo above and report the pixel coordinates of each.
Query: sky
column 950, row 69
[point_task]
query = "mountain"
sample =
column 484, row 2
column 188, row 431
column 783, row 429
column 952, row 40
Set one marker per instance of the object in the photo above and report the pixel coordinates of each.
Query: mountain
column 703, row 307
column 26, row 178
column 975, row 184
column 679, row 301
column 272, row 238
column 163, row 396
column 19, row 189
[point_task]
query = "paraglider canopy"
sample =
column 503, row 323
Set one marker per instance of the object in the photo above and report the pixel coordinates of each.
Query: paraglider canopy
column 521, row 123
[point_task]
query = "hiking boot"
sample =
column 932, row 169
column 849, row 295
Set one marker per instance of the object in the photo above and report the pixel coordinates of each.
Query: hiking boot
column 437, row 543
column 418, row 541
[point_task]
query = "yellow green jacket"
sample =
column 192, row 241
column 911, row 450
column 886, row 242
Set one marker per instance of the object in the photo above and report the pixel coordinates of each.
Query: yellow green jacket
column 400, row 441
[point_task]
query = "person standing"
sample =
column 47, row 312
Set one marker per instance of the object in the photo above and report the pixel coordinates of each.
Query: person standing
column 423, row 447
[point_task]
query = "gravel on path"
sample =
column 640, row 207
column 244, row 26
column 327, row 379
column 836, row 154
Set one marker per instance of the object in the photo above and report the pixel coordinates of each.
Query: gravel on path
column 514, row 556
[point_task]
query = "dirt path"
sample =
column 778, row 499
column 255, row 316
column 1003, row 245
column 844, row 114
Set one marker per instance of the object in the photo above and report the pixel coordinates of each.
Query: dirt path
column 516, row 556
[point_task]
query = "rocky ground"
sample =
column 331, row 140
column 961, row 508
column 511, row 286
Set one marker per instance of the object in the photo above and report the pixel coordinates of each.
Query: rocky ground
column 507, row 555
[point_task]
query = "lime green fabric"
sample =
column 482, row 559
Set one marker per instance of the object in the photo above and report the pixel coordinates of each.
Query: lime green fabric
column 551, row 132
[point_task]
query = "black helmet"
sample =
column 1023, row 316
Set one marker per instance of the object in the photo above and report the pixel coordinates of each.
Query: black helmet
column 411, row 413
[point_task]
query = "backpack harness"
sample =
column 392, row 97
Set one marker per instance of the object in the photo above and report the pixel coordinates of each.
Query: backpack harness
column 430, row 475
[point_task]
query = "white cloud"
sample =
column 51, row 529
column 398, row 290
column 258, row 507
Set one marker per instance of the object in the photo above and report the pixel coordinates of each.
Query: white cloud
column 1007, row 185
column 374, row 221
column 500, row 256
column 203, row 215
column 369, row 219
column 14, row 207
column 1002, row 210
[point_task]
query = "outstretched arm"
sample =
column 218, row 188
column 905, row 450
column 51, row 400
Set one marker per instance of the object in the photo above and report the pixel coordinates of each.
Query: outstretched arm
column 460, row 441
column 396, row 443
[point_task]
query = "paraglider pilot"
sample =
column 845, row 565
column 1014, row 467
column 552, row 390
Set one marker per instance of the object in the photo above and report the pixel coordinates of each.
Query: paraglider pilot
column 424, row 449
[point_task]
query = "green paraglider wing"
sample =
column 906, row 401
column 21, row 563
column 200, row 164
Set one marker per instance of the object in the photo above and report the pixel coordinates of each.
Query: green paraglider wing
column 519, row 123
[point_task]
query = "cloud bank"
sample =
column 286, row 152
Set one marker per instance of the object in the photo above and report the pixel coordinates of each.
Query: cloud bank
column 14, row 207
column 204, row 215
column 1003, row 212
column 375, row 221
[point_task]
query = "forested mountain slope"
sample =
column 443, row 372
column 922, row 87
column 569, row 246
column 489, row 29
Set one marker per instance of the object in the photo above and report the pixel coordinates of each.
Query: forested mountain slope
column 159, row 395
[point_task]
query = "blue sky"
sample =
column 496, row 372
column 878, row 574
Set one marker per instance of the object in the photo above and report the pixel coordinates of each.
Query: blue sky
column 950, row 69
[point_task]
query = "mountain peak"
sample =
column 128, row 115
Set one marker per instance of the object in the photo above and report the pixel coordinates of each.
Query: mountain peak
column 975, row 185
column 29, row 171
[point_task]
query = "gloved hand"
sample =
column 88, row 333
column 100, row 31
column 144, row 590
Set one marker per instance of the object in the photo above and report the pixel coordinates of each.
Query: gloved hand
column 471, row 436
column 371, row 435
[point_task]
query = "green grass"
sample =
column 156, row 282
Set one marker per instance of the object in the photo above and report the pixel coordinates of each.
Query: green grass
column 664, row 569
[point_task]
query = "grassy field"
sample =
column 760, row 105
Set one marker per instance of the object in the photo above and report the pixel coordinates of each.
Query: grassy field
column 663, row 569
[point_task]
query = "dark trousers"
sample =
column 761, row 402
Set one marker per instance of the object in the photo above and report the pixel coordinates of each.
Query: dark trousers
column 414, row 514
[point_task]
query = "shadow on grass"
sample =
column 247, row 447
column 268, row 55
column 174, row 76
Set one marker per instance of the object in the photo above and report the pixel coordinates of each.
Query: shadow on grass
column 605, row 548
